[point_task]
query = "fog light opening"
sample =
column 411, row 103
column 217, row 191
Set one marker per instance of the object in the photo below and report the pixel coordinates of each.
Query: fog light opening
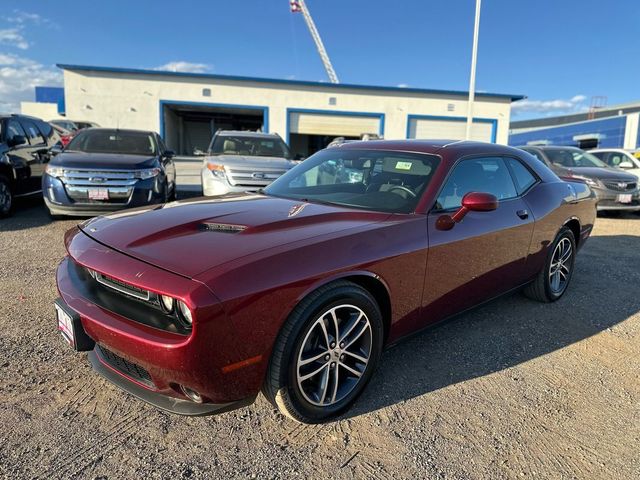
column 191, row 394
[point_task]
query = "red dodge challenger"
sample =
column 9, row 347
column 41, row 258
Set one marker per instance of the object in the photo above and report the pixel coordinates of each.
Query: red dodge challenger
column 196, row 306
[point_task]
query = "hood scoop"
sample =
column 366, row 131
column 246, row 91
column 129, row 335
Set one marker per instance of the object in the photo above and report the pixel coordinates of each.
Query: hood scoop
column 221, row 227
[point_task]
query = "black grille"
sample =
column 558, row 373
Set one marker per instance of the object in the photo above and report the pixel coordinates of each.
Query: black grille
column 620, row 186
column 124, row 366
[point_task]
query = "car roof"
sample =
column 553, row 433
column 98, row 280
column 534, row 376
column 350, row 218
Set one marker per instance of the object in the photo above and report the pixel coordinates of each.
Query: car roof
column 444, row 148
column 245, row 133
column 124, row 130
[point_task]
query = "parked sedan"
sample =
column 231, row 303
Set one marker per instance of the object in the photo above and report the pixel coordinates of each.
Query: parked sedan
column 197, row 306
column 616, row 190
column 627, row 160
column 102, row 170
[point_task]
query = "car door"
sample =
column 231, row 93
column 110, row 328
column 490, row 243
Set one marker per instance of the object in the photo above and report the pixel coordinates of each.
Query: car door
column 484, row 255
column 19, row 156
column 38, row 154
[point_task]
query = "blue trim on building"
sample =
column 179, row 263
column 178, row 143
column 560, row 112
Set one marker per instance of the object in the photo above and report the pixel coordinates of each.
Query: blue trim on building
column 611, row 131
column 380, row 116
column 300, row 83
column 265, row 110
column 51, row 95
column 492, row 121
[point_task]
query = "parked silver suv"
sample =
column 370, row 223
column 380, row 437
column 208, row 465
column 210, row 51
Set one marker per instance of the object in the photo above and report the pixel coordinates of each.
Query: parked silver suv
column 243, row 161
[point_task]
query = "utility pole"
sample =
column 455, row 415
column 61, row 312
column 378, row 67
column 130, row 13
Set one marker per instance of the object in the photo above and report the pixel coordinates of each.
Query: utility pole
column 301, row 6
column 472, row 79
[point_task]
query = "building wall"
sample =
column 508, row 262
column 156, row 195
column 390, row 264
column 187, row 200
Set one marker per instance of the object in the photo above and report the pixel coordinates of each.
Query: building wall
column 133, row 101
column 45, row 111
column 612, row 133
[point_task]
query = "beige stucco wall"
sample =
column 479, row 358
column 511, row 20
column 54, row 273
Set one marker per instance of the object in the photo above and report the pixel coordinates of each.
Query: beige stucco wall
column 133, row 100
column 45, row 111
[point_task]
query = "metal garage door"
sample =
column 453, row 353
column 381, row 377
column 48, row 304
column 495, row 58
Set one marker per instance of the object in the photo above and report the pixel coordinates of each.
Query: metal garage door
column 444, row 129
column 351, row 125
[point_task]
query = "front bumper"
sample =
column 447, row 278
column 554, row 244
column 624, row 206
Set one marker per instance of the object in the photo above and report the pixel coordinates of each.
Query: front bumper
column 608, row 200
column 199, row 361
column 58, row 201
column 164, row 402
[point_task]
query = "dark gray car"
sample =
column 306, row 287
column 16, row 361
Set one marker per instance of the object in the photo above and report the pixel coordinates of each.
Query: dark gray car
column 616, row 190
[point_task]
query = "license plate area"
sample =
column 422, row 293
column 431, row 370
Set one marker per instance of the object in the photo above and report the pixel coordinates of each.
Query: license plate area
column 98, row 193
column 70, row 327
column 624, row 198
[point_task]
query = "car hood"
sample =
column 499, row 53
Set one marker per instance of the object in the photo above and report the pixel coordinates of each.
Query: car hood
column 190, row 237
column 603, row 173
column 102, row 160
column 252, row 163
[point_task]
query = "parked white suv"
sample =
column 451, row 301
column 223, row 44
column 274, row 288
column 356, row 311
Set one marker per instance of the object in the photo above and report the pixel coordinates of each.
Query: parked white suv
column 617, row 157
column 243, row 161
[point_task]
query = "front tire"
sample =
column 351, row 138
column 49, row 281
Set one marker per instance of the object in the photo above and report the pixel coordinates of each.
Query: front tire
column 6, row 197
column 325, row 354
column 554, row 278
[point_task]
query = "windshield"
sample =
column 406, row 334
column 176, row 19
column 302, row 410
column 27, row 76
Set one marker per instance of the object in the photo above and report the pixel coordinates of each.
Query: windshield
column 113, row 141
column 574, row 158
column 251, row 146
column 372, row 180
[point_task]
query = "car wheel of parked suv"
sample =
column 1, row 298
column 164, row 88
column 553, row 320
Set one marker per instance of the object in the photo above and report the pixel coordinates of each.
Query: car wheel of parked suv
column 554, row 278
column 6, row 197
column 326, row 353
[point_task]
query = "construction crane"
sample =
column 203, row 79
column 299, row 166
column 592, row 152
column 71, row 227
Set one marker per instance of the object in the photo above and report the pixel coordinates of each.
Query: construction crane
column 300, row 6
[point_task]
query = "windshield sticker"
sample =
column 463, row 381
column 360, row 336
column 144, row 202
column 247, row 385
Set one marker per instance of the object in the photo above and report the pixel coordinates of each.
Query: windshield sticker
column 403, row 166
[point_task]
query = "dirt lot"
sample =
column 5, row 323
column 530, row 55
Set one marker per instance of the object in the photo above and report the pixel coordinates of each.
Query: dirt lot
column 515, row 389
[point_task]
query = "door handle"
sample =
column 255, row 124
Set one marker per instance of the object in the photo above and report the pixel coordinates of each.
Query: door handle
column 523, row 214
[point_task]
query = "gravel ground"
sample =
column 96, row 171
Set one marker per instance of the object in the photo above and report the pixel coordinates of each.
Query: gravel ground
column 514, row 389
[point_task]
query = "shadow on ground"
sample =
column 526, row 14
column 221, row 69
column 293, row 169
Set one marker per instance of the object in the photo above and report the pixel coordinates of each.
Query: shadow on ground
column 511, row 330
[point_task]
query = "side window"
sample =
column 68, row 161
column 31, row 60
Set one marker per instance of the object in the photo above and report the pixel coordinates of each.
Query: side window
column 487, row 175
column 14, row 129
column 538, row 155
column 45, row 128
column 523, row 178
column 601, row 155
column 34, row 135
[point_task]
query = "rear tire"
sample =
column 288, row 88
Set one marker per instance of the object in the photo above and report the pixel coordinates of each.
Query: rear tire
column 554, row 278
column 344, row 361
column 6, row 197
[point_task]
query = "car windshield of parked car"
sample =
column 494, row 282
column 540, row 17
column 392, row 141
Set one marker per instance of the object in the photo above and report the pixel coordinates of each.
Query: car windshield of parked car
column 574, row 158
column 250, row 146
column 368, row 179
column 113, row 141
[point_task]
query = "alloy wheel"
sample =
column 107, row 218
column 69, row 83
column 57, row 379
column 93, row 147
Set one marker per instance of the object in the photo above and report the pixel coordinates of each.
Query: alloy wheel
column 560, row 268
column 334, row 355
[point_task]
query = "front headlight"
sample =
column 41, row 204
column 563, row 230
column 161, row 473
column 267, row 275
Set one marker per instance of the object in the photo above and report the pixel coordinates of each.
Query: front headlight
column 217, row 170
column 54, row 171
column 592, row 182
column 185, row 313
column 147, row 173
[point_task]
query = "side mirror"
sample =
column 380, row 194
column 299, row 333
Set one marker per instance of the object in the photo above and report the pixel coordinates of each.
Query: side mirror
column 17, row 140
column 471, row 202
column 169, row 153
column 626, row 164
column 56, row 149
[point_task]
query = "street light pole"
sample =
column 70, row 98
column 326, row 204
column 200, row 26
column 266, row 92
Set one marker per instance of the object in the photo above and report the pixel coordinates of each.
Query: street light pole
column 472, row 79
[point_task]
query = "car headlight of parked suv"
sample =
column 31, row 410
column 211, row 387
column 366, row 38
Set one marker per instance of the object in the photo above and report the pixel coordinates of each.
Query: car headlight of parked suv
column 146, row 173
column 592, row 182
column 54, row 171
column 217, row 170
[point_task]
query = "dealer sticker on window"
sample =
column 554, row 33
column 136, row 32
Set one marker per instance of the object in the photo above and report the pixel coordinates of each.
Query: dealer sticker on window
column 403, row 166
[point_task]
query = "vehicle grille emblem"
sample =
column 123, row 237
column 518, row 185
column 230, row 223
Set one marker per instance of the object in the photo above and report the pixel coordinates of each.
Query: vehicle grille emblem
column 97, row 179
column 258, row 175
column 622, row 185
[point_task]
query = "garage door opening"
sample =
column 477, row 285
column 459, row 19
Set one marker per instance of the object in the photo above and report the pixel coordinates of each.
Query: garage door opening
column 310, row 131
column 442, row 128
column 188, row 128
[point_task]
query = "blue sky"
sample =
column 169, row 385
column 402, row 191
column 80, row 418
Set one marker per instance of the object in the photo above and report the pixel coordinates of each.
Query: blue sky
column 559, row 53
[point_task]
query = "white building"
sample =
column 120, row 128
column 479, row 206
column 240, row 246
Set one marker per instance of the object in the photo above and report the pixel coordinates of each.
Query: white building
column 187, row 108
